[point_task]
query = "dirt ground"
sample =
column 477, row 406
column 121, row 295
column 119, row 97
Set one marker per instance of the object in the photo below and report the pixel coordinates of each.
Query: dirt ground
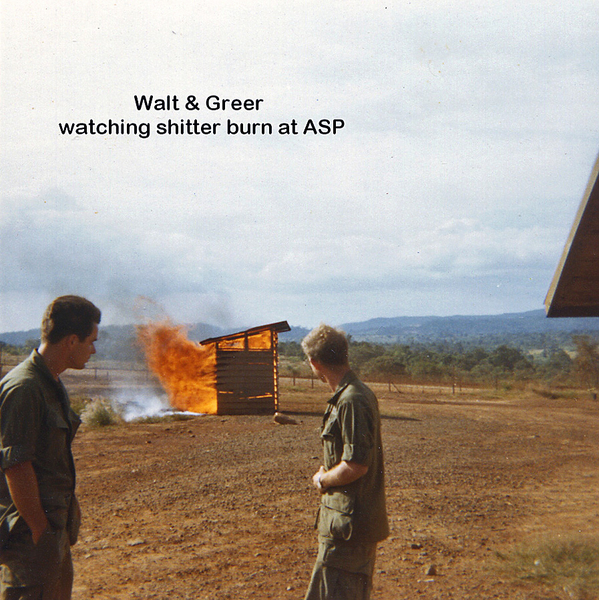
column 219, row 507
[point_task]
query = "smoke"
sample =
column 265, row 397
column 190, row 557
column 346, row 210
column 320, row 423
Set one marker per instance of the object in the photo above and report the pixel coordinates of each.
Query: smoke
column 140, row 404
column 179, row 373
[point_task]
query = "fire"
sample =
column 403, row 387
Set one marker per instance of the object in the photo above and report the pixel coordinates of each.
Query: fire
column 186, row 370
column 261, row 340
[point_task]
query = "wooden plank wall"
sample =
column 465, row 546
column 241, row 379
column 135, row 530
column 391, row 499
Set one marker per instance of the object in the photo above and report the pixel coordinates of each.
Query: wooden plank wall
column 245, row 382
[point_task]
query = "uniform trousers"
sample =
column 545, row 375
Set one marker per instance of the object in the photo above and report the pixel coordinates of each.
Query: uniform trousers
column 343, row 571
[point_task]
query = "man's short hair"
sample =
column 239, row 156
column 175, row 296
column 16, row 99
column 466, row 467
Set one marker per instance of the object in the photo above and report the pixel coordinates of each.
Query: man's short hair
column 68, row 315
column 327, row 345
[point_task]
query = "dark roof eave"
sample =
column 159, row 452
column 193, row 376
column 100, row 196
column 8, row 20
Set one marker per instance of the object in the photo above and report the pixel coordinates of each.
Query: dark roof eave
column 574, row 290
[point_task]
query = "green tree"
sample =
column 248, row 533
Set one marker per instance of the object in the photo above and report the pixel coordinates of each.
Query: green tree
column 470, row 359
column 387, row 368
column 559, row 360
column 509, row 359
column 290, row 349
column 586, row 361
column 30, row 345
column 361, row 353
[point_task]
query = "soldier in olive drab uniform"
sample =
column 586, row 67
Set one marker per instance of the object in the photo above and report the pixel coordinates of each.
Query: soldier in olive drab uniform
column 352, row 516
column 39, row 514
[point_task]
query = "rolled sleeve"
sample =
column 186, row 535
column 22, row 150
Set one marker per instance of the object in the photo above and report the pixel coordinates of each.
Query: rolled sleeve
column 19, row 426
column 355, row 453
column 12, row 456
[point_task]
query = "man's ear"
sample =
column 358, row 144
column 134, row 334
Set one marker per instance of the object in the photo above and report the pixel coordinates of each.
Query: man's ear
column 71, row 340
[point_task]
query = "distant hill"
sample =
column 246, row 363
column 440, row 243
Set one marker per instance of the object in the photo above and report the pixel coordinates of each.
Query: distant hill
column 523, row 329
column 18, row 338
column 533, row 325
column 119, row 342
column 530, row 329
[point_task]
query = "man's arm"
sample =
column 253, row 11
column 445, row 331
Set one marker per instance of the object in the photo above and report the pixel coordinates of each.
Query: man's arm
column 342, row 474
column 22, row 484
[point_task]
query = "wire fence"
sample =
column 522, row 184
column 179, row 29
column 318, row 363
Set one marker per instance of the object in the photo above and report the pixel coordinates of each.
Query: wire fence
column 92, row 371
column 107, row 372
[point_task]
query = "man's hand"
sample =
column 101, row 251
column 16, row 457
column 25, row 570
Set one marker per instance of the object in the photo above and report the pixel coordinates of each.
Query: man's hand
column 22, row 484
column 317, row 480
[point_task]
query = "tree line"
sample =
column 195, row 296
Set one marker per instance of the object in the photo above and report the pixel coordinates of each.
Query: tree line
column 462, row 364
column 575, row 363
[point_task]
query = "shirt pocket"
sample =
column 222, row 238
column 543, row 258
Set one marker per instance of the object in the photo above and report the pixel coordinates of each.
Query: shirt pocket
column 330, row 425
column 336, row 515
column 332, row 445
column 55, row 419
column 57, row 434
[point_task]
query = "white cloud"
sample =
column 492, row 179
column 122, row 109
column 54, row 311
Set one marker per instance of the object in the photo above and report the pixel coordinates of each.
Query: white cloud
column 470, row 131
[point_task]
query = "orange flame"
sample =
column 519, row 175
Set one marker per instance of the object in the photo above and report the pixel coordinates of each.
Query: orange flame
column 260, row 341
column 186, row 370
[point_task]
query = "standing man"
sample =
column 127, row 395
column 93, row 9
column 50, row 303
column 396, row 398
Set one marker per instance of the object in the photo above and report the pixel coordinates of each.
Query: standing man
column 352, row 516
column 39, row 514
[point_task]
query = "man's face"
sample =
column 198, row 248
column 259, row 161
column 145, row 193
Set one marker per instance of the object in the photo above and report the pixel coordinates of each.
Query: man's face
column 81, row 351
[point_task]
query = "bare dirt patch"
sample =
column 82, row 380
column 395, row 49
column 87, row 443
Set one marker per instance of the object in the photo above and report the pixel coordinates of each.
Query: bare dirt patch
column 222, row 507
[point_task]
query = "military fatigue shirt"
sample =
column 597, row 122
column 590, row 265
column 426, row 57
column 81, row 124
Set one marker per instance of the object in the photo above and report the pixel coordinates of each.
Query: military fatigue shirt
column 37, row 424
column 351, row 432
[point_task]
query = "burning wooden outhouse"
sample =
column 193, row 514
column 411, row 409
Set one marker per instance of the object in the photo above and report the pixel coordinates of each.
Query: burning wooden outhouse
column 247, row 370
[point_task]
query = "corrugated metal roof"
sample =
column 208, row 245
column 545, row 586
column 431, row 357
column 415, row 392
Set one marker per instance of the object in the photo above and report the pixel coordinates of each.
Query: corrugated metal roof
column 574, row 291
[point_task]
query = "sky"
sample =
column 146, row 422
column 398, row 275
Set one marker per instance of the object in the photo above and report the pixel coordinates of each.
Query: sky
column 469, row 133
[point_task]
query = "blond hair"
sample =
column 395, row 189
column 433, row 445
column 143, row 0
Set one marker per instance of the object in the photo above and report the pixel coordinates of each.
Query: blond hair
column 327, row 345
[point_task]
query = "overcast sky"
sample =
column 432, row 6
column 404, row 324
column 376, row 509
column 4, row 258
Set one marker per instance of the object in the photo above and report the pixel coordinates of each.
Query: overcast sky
column 470, row 131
